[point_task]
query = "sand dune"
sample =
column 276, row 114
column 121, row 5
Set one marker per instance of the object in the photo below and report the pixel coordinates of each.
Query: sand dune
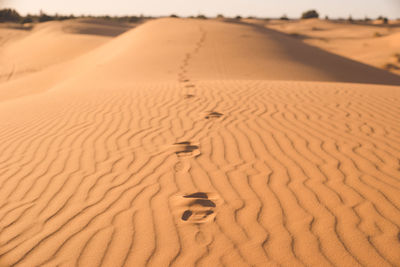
column 200, row 143
column 28, row 51
column 376, row 45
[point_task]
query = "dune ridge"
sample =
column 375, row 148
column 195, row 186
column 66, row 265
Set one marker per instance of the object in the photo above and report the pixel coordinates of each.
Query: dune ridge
column 188, row 163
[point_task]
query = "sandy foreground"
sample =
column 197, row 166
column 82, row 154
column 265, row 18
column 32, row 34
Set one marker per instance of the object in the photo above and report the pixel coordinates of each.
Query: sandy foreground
column 194, row 143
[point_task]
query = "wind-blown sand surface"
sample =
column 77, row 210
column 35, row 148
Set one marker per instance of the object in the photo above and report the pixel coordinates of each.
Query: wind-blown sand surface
column 200, row 143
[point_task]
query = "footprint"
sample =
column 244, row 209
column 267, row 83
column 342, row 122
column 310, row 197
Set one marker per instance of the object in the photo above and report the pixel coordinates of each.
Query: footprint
column 200, row 209
column 189, row 86
column 188, row 96
column 181, row 166
column 213, row 115
column 186, row 149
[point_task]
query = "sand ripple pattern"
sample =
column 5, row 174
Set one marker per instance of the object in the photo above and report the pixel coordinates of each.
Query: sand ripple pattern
column 299, row 174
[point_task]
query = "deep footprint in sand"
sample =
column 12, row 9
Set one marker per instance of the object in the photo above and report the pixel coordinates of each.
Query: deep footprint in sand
column 200, row 209
column 213, row 115
column 186, row 149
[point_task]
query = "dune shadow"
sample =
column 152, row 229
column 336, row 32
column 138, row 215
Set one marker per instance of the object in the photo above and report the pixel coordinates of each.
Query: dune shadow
column 98, row 27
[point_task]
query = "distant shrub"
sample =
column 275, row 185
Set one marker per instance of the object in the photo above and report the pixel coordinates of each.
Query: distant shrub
column 44, row 17
column 238, row 17
column 133, row 19
column 9, row 15
column 27, row 19
column 284, row 17
column 220, row 16
column 61, row 17
column 383, row 19
column 173, row 16
column 310, row 14
column 200, row 16
column 350, row 19
column 326, row 17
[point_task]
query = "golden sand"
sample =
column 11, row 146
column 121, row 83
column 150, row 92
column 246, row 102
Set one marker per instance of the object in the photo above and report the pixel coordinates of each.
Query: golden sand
column 195, row 143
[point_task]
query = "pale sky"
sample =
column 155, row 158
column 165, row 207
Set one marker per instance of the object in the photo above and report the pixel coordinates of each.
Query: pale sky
column 260, row 8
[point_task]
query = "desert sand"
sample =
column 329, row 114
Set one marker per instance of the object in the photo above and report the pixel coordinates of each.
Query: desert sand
column 372, row 43
column 186, row 142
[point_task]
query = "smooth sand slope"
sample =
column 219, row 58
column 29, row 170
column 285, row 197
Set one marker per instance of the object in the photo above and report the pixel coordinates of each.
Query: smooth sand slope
column 200, row 143
column 374, row 44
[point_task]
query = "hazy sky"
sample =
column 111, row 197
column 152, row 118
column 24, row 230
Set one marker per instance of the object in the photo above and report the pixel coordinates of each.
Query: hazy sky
column 261, row 8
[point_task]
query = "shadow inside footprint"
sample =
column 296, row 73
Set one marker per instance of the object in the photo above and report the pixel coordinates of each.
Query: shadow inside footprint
column 197, row 195
column 188, row 96
column 186, row 215
column 203, row 203
column 208, row 212
column 213, row 115
column 183, row 143
column 186, row 149
column 189, row 86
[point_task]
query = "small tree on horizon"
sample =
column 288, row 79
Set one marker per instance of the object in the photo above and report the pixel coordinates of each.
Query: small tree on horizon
column 310, row 14
column 383, row 19
column 9, row 15
column 350, row 19
column 284, row 17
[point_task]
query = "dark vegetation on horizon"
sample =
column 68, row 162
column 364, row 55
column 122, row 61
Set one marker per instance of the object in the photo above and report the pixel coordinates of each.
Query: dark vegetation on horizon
column 310, row 14
column 11, row 15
